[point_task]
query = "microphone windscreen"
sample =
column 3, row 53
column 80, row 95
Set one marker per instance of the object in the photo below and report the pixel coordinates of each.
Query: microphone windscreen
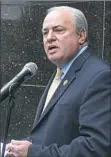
column 32, row 67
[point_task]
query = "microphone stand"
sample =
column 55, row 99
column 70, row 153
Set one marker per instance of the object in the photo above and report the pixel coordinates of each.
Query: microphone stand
column 11, row 105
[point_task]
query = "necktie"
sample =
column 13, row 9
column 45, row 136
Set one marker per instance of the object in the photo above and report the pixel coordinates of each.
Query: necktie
column 53, row 86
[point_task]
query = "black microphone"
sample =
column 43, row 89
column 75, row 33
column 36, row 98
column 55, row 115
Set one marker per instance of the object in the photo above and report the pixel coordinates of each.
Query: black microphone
column 28, row 71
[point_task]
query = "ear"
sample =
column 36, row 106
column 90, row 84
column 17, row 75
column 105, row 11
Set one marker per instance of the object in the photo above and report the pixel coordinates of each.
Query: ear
column 82, row 37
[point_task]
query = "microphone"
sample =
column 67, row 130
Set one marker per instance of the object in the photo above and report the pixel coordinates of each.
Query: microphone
column 28, row 71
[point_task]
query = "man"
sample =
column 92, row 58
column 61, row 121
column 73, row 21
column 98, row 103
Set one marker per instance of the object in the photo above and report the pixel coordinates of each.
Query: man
column 75, row 120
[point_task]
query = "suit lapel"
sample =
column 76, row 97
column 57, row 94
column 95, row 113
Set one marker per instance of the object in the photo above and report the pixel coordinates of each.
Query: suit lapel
column 42, row 102
column 58, row 93
column 68, row 79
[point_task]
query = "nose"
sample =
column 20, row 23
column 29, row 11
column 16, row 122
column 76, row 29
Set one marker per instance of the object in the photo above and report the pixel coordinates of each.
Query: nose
column 51, row 36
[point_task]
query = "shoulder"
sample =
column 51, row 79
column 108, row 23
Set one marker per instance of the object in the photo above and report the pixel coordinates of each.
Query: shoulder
column 94, row 68
column 93, row 60
column 97, row 64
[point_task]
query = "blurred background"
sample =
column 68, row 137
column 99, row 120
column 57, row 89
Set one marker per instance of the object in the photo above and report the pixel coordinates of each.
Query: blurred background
column 21, row 42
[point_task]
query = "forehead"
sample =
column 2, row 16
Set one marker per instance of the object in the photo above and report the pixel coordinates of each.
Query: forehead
column 57, row 17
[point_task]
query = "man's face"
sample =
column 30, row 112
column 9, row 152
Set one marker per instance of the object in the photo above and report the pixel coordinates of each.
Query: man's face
column 59, row 37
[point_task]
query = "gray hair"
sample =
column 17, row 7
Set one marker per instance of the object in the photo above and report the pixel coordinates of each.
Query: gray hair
column 78, row 18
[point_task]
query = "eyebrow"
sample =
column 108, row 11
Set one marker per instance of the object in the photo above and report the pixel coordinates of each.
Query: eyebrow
column 45, row 29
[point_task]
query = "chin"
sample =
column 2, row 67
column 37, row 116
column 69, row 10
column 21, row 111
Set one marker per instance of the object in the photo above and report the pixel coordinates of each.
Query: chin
column 52, row 58
column 55, row 60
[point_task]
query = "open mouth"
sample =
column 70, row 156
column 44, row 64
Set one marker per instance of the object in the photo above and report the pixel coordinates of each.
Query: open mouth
column 52, row 48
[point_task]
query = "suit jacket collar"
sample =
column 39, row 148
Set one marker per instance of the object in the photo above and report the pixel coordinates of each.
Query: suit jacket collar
column 70, row 76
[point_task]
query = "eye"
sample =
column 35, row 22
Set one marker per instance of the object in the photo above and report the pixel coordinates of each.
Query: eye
column 59, row 30
column 45, row 32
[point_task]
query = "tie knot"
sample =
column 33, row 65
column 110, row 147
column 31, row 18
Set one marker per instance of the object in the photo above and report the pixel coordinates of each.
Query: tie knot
column 59, row 73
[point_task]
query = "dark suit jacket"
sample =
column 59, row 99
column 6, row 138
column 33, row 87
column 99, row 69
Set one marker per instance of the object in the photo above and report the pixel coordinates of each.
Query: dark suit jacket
column 76, row 122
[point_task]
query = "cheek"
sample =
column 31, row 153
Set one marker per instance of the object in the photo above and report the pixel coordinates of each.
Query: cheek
column 69, row 46
column 72, row 43
column 65, row 46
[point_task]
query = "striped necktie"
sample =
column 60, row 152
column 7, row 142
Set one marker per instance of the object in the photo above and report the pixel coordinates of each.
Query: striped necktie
column 53, row 87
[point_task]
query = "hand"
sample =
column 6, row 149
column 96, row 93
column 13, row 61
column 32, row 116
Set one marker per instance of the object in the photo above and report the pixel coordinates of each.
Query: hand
column 18, row 148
